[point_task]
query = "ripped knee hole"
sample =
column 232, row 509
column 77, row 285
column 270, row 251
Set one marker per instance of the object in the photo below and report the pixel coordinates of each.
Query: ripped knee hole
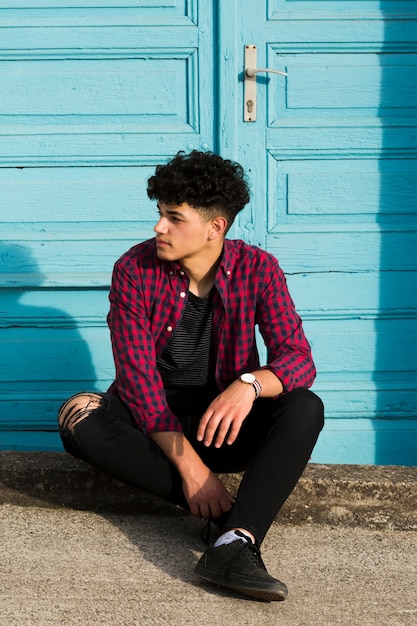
column 76, row 409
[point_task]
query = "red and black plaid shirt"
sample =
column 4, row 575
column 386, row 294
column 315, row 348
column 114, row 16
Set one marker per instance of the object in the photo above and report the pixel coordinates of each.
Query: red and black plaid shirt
column 148, row 297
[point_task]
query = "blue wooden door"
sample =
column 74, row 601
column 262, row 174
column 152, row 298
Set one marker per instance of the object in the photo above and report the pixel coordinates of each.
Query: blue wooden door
column 332, row 159
column 93, row 98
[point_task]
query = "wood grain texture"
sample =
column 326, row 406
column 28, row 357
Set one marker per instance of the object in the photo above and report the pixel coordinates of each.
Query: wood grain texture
column 93, row 98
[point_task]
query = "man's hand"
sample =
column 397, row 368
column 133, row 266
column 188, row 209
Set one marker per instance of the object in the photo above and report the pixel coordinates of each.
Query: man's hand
column 224, row 417
column 206, row 495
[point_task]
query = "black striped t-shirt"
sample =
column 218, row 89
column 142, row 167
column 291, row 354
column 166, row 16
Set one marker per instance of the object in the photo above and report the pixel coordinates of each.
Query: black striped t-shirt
column 188, row 360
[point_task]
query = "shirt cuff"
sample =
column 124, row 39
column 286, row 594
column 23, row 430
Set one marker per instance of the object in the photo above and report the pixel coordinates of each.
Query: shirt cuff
column 167, row 422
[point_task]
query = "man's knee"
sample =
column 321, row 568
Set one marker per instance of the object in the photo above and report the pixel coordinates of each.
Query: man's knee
column 308, row 405
column 77, row 408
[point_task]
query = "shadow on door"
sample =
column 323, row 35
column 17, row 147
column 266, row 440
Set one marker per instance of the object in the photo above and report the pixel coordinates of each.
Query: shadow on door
column 395, row 373
column 44, row 357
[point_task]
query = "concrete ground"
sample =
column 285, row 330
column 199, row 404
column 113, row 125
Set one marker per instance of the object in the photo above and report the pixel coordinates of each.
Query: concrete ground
column 69, row 558
column 61, row 566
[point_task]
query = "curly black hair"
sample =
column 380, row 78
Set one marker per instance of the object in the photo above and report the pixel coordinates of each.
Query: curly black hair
column 205, row 181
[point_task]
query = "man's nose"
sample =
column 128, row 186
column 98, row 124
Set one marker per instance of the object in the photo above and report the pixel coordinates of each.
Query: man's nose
column 161, row 225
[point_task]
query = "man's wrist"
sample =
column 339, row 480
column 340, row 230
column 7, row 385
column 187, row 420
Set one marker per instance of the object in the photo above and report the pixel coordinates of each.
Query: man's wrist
column 250, row 379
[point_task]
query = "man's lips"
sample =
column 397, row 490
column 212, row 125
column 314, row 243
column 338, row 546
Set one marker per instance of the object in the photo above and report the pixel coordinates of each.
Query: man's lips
column 161, row 242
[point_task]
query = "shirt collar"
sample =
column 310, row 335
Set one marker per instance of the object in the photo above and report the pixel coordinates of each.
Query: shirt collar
column 229, row 257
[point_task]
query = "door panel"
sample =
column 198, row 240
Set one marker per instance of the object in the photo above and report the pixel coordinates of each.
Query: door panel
column 333, row 162
column 91, row 100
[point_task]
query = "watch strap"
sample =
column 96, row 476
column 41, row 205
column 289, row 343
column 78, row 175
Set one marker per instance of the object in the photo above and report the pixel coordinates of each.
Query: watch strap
column 257, row 386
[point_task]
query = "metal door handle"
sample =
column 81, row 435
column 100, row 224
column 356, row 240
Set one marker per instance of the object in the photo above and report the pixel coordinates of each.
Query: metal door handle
column 249, row 105
column 251, row 71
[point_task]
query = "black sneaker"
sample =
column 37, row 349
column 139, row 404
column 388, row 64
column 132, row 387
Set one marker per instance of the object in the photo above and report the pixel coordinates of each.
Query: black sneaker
column 238, row 566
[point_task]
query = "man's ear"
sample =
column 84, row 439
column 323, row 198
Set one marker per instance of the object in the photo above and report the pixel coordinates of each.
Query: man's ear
column 218, row 227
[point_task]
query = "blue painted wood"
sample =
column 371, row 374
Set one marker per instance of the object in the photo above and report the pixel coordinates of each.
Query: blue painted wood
column 367, row 442
column 333, row 146
column 74, row 196
column 93, row 98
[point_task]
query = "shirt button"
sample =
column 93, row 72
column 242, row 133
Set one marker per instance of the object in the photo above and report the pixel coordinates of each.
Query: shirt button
column 182, row 294
column 171, row 273
column 182, row 272
column 169, row 329
column 228, row 272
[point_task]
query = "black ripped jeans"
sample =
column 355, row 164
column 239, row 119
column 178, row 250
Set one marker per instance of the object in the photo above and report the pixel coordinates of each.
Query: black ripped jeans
column 273, row 448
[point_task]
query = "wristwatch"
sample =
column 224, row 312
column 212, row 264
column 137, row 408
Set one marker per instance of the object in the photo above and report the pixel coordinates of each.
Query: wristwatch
column 250, row 379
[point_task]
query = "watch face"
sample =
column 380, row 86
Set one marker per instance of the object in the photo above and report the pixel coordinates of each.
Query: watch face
column 248, row 378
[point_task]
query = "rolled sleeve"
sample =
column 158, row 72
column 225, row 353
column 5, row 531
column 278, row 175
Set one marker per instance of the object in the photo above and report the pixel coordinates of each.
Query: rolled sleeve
column 289, row 352
column 138, row 382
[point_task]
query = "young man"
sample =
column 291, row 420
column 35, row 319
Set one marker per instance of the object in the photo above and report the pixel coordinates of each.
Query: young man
column 190, row 398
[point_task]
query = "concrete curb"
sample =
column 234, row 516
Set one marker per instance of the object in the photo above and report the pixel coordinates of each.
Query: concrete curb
column 377, row 497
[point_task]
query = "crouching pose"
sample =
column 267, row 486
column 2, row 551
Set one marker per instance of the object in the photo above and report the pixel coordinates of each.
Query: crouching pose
column 190, row 398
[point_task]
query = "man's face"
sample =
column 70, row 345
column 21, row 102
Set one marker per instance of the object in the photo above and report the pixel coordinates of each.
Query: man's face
column 182, row 233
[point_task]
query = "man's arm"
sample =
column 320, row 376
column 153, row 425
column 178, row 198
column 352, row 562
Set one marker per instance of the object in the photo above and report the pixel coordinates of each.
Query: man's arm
column 289, row 352
column 138, row 382
column 229, row 409
column 205, row 493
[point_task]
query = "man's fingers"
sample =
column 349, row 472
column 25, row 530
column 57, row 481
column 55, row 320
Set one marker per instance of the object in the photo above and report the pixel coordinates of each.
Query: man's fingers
column 204, row 510
column 227, row 429
column 222, row 432
column 207, row 429
column 194, row 509
column 203, row 424
column 216, row 510
column 234, row 431
column 227, row 504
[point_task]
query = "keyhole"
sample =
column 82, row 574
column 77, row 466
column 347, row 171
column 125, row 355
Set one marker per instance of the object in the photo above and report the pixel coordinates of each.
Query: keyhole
column 249, row 105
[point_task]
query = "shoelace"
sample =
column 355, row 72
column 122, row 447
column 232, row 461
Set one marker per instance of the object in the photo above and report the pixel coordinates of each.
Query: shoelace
column 255, row 555
column 206, row 533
